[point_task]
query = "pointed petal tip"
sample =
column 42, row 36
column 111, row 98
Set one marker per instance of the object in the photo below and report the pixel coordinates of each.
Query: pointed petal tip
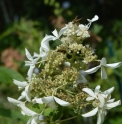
column 91, row 113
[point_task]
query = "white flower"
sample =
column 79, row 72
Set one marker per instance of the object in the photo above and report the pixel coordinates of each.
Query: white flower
column 26, row 92
column 30, row 63
column 101, row 102
column 58, row 35
column 35, row 117
column 14, row 101
column 50, row 101
column 103, row 64
column 94, row 95
column 83, row 29
column 92, row 20
column 44, row 48
column 20, row 84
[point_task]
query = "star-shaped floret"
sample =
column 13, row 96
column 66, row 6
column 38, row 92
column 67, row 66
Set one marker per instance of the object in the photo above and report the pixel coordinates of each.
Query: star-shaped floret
column 101, row 102
column 30, row 63
column 103, row 64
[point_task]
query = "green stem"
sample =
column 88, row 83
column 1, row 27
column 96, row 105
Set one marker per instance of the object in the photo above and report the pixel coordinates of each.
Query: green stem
column 66, row 119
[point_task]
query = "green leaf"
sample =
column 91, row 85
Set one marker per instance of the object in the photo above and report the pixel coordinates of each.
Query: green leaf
column 48, row 111
column 7, row 75
column 38, row 107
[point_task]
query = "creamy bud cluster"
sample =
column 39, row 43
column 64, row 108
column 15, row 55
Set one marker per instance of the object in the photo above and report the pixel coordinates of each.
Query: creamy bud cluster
column 61, row 81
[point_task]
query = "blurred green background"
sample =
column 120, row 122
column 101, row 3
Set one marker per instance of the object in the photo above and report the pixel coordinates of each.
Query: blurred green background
column 23, row 23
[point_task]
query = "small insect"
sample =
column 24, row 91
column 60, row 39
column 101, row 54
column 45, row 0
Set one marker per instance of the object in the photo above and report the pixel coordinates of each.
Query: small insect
column 76, row 20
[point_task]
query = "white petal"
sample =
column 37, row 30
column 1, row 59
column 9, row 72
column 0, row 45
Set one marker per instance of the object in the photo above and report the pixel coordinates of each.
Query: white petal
column 114, row 104
column 35, row 54
column 92, row 70
column 114, row 65
column 27, row 93
column 111, row 100
column 62, row 31
column 61, row 102
column 26, row 110
column 91, row 113
column 55, row 33
column 34, row 121
column 43, row 53
column 28, row 55
column 49, row 101
column 47, row 38
column 89, row 98
column 102, row 100
column 28, row 63
column 14, row 101
column 35, row 60
column 101, row 115
column 45, row 42
column 23, row 95
column 29, row 121
column 97, row 89
column 30, row 71
column 89, row 91
column 44, row 47
column 99, row 118
column 103, row 61
column 21, row 84
column 103, row 73
column 81, row 79
column 95, row 18
column 37, row 100
column 109, row 91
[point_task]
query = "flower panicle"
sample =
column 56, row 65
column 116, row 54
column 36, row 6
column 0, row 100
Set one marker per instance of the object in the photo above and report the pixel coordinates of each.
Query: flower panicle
column 61, row 80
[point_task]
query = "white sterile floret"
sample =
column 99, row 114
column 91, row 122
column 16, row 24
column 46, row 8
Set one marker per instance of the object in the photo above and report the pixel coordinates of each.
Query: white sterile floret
column 26, row 94
column 35, row 117
column 44, row 48
column 103, row 64
column 83, row 29
column 30, row 63
column 50, row 100
column 26, row 86
column 58, row 35
column 14, row 101
column 92, row 20
column 20, row 84
column 101, row 102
